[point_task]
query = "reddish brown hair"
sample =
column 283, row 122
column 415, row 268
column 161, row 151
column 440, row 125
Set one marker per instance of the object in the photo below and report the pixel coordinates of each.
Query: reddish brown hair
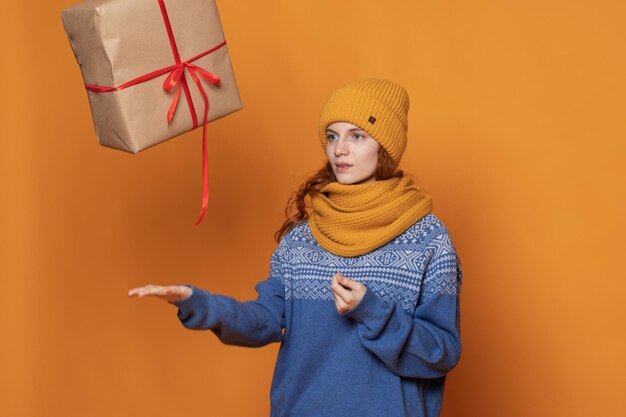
column 296, row 209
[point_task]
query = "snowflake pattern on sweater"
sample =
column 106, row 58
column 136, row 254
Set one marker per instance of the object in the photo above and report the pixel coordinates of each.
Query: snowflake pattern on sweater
column 395, row 271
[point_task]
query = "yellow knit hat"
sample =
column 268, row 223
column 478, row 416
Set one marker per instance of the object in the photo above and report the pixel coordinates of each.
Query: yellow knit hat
column 379, row 107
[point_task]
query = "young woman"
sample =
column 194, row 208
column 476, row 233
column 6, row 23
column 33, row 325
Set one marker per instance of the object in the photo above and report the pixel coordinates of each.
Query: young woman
column 363, row 289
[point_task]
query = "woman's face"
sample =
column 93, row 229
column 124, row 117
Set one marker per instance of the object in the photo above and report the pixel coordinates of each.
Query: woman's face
column 352, row 153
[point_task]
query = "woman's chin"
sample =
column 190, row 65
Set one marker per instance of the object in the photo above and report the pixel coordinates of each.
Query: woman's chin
column 350, row 180
column 344, row 179
column 344, row 182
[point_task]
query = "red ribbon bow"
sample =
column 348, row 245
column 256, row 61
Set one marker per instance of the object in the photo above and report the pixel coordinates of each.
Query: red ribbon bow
column 176, row 79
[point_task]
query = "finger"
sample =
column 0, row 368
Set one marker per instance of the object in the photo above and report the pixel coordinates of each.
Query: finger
column 138, row 291
column 150, row 290
column 345, row 297
column 350, row 283
column 340, row 305
column 338, row 290
column 345, row 282
column 353, row 285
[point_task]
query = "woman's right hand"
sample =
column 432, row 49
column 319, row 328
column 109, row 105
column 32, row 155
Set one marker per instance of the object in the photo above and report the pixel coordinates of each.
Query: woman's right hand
column 168, row 293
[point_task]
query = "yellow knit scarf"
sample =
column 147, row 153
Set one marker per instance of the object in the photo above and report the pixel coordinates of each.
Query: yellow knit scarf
column 352, row 220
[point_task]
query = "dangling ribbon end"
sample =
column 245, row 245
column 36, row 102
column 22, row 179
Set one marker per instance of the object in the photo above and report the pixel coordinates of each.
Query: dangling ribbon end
column 202, row 212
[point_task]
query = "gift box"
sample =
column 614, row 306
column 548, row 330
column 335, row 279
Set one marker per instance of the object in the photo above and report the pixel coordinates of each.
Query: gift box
column 118, row 41
column 153, row 69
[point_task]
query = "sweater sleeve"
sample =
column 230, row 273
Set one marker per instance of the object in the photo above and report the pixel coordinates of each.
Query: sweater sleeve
column 250, row 323
column 428, row 344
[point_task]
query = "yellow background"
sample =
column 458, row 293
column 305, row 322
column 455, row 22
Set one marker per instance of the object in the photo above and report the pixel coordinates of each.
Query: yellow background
column 517, row 130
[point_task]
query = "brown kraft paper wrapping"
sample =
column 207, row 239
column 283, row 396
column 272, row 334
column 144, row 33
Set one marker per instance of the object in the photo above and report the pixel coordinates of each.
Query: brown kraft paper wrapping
column 116, row 41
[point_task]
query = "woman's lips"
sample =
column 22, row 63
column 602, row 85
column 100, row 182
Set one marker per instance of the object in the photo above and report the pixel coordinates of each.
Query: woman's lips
column 342, row 167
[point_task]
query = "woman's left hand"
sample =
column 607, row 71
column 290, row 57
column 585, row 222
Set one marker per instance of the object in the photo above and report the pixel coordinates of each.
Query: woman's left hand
column 346, row 292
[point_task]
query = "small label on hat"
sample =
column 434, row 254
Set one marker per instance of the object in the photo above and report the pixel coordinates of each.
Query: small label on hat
column 372, row 119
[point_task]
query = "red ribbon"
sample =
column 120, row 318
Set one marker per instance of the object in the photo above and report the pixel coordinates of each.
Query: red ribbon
column 176, row 80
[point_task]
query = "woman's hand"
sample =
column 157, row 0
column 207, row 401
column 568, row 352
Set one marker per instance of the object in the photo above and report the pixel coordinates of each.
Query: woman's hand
column 346, row 292
column 169, row 293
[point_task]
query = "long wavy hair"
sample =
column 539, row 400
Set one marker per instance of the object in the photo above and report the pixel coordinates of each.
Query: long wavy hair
column 296, row 209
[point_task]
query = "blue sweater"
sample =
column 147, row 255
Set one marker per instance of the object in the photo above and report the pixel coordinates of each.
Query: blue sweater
column 388, row 357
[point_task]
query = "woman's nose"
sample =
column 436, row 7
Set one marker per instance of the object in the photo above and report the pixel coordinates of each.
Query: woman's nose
column 341, row 148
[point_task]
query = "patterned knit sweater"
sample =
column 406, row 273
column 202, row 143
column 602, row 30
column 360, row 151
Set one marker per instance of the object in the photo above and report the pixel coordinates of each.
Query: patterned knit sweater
column 388, row 357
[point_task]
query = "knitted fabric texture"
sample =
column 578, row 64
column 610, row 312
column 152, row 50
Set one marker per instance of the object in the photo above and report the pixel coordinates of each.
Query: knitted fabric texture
column 379, row 107
column 351, row 220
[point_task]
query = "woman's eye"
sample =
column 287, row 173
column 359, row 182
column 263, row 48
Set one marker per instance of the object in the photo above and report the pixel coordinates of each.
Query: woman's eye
column 331, row 137
column 358, row 136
